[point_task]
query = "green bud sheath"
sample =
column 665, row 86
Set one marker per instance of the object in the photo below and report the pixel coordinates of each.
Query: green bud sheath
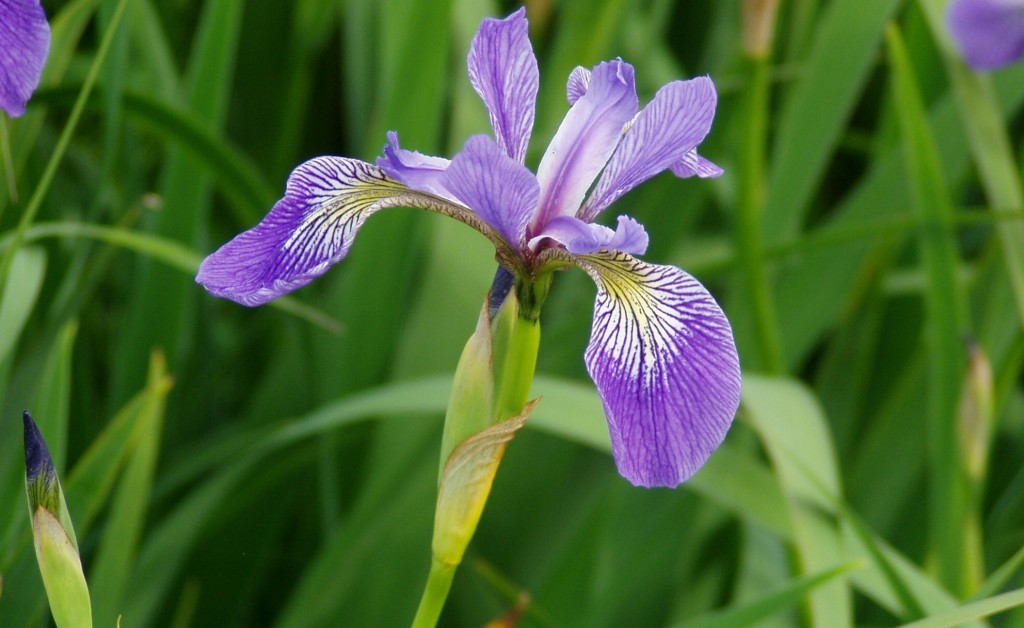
column 54, row 536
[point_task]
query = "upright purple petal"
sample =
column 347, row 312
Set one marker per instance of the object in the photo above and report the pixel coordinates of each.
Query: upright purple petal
column 418, row 171
column 503, row 70
column 989, row 33
column 663, row 358
column 668, row 128
column 24, row 44
column 580, row 237
column 585, row 140
column 326, row 201
column 498, row 189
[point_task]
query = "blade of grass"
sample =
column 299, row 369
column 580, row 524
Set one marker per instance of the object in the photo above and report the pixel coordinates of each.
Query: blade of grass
column 775, row 602
column 837, row 64
column 113, row 564
column 945, row 324
column 53, row 397
column 972, row 611
column 795, row 434
column 28, row 270
column 162, row 311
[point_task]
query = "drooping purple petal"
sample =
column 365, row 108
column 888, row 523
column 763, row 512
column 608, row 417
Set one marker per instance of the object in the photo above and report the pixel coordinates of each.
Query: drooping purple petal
column 326, row 201
column 498, row 189
column 663, row 358
column 576, row 86
column 418, row 171
column 580, row 238
column 503, row 70
column 989, row 33
column 693, row 164
column 585, row 140
column 24, row 44
column 668, row 128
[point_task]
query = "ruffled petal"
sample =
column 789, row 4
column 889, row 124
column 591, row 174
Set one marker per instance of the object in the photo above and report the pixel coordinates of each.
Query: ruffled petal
column 24, row 44
column 326, row 200
column 498, row 189
column 693, row 164
column 416, row 170
column 668, row 128
column 663, row 358
column 989, row 33
column 585, row 140
column 580, row 237
column 503, row 70
column 576, row 86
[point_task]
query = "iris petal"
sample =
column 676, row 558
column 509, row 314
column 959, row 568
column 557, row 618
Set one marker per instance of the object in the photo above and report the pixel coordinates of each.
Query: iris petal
column 503, row 70
column 418, row 171
column 693, row 164
column 576, row 86
column 585, row 140
column 989, row 33
column 663, row 358
column 24, row 44
column 500, row 190
column 580, row 237
column 326, row 202
column 667, row 129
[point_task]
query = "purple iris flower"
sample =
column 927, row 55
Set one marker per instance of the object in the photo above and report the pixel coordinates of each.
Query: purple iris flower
column 989, row 33
column 661, row 350
column 24, row 44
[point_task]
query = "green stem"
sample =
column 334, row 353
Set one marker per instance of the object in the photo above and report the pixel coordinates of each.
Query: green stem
column 61, row 148
column 439, row 583
column 749, row 242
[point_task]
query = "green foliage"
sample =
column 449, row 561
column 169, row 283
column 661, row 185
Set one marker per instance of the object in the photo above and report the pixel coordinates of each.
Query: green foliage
column 280, row 468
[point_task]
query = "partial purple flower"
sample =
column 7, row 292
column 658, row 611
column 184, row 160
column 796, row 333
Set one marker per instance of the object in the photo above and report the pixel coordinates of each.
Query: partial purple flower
column 989, row 33
column 24, row 44
column 661, row 350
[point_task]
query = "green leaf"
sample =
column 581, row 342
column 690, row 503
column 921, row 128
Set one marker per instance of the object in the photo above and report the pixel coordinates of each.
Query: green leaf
column 972, row 611
column 115, row 557
column 789, row 421
column 26, row 278
column 945, row 324
column 838, row 63
column 53, row 396
column 789, row 595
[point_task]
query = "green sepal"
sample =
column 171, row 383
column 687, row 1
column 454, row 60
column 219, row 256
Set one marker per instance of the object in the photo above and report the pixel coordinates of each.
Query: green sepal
column 54, row 535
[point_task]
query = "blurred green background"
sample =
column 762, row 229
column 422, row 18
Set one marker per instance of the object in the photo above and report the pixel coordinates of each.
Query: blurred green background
column 227, row 466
